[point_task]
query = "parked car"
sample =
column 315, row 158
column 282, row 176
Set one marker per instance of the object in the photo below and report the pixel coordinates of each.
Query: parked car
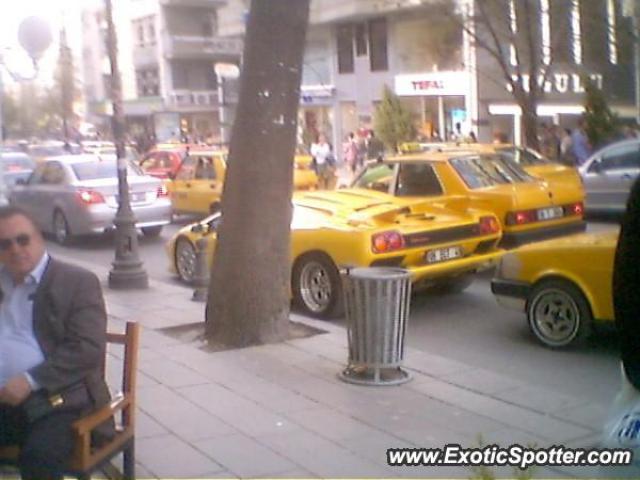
column 164, row 160
column 52, row 148
column 532, row 162
column 563, row 285
column 16, row 166
column 198, row 181
column 608, row 175
column 335, row 229
column 78, row 194
column 528, row 208
column 197, row 184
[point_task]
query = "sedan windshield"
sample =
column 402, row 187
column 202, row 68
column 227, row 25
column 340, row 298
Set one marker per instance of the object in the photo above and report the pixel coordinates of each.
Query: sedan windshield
column 98, row 170
column 486, row 171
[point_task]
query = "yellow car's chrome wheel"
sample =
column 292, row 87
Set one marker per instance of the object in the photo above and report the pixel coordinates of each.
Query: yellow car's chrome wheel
column 316, row 285
column 185, row 260
column 558, row 314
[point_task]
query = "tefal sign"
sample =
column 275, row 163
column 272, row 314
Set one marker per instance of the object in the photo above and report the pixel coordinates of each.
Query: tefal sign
column 434, row 84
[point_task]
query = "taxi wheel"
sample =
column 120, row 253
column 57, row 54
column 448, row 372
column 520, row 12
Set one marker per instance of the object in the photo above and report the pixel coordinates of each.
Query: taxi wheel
column 185, row 258
column 558, row 314
column 61, row 231
column 317, row 288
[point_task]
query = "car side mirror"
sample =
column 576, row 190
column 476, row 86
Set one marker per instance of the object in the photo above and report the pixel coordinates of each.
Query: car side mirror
column 596, row 166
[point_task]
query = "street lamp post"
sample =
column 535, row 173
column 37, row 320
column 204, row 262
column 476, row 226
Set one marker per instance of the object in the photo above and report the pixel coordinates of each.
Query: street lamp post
column 127, row 270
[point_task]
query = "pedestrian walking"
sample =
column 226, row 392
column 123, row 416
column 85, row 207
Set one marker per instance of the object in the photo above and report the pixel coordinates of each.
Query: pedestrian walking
column 566, row 150
column 580, row 147
column 375, row 147
column 324, row 162
column 350, row 152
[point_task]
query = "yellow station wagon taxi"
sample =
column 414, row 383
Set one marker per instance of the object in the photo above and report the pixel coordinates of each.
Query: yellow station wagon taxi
column 331, row 230
column 563, row 285
column 528, row 208
column 197, row 184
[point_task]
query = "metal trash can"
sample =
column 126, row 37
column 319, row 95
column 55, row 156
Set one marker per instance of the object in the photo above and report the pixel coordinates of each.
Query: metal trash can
column 377, row 307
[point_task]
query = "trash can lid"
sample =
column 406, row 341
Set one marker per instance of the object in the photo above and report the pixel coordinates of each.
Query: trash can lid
column 379, row 273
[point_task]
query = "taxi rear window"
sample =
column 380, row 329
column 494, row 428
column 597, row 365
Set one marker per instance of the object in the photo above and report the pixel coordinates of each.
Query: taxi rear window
column 480, row 171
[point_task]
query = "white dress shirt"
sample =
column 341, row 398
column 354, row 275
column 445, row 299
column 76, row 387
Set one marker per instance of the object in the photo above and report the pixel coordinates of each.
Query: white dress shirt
column 19, row 349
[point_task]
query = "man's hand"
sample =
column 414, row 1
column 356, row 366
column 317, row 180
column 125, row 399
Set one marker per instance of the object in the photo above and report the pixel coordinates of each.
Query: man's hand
column 15, row 391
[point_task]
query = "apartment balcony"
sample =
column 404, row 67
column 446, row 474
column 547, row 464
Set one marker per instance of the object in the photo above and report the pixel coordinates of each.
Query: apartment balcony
column 329, row 11
column 194, row 3
column 193, row 100
column 197, row 47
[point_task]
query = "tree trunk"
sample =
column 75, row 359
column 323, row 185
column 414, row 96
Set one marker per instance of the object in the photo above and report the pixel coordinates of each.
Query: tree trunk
column 529, row 107
column 249, row 291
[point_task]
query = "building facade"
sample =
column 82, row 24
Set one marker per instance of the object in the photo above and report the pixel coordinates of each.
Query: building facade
column 356, row 48
column 169, row 50
column 576, row 41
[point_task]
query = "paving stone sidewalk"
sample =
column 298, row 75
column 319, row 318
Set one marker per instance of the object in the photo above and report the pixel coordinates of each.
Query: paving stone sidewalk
column 281, row 411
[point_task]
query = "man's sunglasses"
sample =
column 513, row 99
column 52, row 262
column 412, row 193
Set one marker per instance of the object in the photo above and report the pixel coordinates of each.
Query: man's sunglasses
column 22, row 240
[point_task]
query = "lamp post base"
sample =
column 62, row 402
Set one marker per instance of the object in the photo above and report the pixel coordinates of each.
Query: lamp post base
column 125, row 275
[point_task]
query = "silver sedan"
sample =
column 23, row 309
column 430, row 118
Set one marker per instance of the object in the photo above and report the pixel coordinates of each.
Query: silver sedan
column 608, row 175
column 78, row 194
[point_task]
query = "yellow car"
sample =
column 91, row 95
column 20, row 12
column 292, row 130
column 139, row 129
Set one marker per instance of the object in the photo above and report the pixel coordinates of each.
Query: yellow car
column 531, row 161
column 537, row 165
column 197, row 184
column 331, row 230
column 563, row 285
column 528, row 208
column 304, row 177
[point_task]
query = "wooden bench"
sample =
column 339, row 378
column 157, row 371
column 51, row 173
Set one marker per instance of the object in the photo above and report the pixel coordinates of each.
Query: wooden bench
column 87, row 459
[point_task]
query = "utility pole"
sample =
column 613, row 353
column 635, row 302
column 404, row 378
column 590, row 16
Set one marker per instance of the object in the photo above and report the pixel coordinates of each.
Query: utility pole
column 127, row 270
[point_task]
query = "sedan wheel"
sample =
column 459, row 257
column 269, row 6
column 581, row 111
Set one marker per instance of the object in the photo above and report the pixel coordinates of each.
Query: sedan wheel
column 185, row 260
column 61, row 230
column 317, row 286
column 558, row 314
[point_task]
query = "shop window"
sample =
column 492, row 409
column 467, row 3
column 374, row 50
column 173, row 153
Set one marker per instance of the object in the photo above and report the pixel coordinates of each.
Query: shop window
column 378, row 45
column 345, row 49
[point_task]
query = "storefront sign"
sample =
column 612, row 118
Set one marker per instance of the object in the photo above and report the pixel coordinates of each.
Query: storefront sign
column 433, row 84
column 559, row 82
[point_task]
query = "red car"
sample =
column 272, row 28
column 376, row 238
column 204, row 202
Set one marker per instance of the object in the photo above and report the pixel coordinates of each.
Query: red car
column 165, row 160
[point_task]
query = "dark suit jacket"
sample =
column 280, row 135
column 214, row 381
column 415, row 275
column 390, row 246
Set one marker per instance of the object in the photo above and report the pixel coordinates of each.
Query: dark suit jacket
column 626, row 287
column 69, row 322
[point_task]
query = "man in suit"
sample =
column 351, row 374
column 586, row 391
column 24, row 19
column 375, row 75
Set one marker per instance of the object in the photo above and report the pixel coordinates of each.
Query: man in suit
column 52, row 342
column 626, row 284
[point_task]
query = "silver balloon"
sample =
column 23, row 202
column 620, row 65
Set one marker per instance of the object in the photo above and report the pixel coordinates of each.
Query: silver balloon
column 35, row 36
